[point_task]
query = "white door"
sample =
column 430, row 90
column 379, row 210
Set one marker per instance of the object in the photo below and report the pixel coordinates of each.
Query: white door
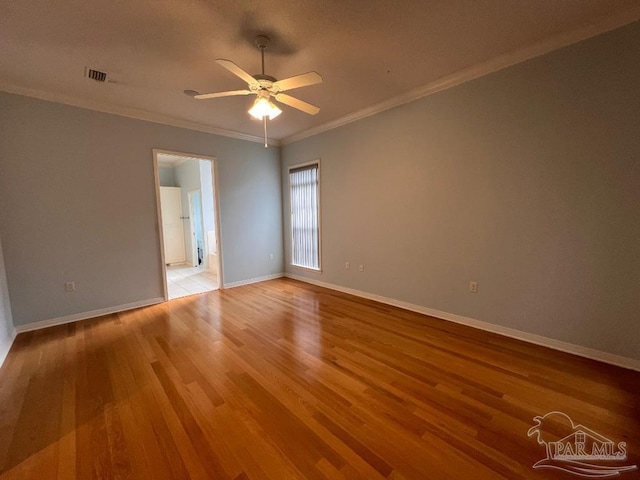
column 172, row 228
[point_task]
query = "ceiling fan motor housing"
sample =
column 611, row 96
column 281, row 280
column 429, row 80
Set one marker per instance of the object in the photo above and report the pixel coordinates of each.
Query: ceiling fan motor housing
column 261, row 76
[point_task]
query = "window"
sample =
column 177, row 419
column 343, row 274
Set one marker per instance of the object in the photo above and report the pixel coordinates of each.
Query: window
column 304, row 191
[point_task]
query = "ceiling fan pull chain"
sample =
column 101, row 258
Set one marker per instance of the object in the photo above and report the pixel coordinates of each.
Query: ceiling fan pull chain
column 265, row 131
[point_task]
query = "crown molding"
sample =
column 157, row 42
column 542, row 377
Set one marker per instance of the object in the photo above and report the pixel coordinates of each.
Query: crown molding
column 501, row 62
column 547, row 45
column 129, row 112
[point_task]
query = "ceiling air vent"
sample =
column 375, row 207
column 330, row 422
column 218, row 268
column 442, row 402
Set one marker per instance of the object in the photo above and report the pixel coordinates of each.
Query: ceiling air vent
column 96, row 75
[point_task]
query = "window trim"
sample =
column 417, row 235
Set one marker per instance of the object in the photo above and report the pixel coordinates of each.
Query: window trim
column 319, row 188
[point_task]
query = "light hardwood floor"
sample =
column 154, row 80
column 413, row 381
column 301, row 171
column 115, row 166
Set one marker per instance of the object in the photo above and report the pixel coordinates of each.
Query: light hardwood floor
column 283, row 380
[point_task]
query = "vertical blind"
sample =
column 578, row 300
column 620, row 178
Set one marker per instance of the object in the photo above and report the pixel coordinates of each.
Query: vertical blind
column 304, row 190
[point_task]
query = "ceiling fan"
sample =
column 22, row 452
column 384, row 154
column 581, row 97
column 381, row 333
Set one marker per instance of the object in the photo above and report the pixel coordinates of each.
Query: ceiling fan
column 266, row 88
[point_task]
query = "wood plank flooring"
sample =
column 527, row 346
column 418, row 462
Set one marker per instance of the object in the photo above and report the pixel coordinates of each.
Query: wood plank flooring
column 284, row 380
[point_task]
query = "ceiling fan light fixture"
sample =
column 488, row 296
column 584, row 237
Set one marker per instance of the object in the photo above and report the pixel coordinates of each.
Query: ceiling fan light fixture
column 262, row 107
column 265, row 87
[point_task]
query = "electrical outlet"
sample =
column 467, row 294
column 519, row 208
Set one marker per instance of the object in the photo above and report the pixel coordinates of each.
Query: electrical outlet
column 473, row 287
column 361, row 268
column 69, row 286
column 347, row 265
column 271, row 256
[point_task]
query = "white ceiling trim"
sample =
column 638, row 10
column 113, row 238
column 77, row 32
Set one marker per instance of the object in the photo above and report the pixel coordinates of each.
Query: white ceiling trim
column 551, row 43
column 498, row 63
column 130, row 113
column 167, row 158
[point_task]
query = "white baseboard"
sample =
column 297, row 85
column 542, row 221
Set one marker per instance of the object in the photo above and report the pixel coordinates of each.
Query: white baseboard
column 579, row 350
column 6, row 346
column 253, row 280
column 86, row 315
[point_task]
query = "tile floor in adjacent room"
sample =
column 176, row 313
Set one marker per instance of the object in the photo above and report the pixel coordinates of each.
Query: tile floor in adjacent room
column 184, row 280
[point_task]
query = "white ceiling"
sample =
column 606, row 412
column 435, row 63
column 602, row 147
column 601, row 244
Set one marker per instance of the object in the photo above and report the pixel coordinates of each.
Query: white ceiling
column 369, row 52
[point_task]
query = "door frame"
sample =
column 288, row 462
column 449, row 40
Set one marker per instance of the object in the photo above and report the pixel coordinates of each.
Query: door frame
column 216, row 211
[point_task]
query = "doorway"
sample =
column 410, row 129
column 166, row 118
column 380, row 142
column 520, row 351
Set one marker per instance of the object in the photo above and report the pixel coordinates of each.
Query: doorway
column 193, row 265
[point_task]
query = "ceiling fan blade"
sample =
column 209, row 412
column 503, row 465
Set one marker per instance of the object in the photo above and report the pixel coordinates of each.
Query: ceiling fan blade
column 309, row 78
column 295, row 103
column 237, row 71
column 204, row 96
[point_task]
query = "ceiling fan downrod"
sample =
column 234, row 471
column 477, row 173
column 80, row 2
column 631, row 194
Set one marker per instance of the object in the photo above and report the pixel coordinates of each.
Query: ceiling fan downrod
column 262, row 42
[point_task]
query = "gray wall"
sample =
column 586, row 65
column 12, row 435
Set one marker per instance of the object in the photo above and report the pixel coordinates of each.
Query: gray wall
column 6, row 322
column 526, row 181
column 78, row 203
column 166, row 176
